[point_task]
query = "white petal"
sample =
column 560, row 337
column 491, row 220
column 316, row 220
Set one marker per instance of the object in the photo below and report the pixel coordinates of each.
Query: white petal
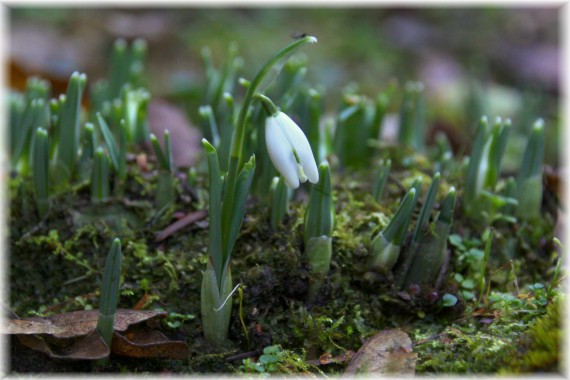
column 281, row 153
column 299, row 141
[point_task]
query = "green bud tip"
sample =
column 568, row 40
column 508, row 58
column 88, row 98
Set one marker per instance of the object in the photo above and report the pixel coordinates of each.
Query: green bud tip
column 152, row 136
column 538, row 126
column 120, row 44
column 209, row 148
column 314, row 93
column 100, row 152
column 166, row 133
column 205, row 111
column 140, row 44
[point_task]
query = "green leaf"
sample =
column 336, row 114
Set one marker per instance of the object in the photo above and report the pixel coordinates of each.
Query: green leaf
column 110, row 141
column 449, row 300
column 110, row 292
column 215, row 224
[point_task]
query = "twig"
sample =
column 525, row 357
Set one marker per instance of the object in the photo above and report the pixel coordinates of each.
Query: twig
column 244, row 355
column 181, row 223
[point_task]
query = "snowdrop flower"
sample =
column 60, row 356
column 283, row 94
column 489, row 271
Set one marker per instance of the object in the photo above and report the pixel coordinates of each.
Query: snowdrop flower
column 289, row 150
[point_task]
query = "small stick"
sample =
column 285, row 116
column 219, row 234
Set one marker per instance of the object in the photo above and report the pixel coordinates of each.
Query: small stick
column 244, row 355
column 181, row 223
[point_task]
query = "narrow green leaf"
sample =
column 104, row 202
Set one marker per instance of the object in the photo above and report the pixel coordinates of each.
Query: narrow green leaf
column 381, row 179
column 472, row 182
column 427, row 207
column 40, row 168
column 279, row 201
column 119, row 68
column 215, row 245
column 396, row 230
column 110, row 292
column 110, row 141
column 68, row 137
column 100, row 177
column 319, row 216
column 241, row 190
column 162, row 157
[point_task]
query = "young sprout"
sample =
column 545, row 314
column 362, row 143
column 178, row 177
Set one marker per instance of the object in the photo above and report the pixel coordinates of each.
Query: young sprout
column 279, row 200
column 387, row 243
column 210, row 125
column 412, row 116
column 68, row 136
column 88, row 145
column 40, row 168
column 118, row 158
column 429, row 251
column 165, row 190
column 135, row 103
column 529, row 179
column 313, row 123
column 354, row 129
column 484, row 166
column 110, row 293
column 319, row 224
column 100, row 177
column 288, row 147
column 381, row 179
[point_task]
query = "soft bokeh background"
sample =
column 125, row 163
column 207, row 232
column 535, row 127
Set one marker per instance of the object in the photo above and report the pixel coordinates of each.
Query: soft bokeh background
column 512, row 54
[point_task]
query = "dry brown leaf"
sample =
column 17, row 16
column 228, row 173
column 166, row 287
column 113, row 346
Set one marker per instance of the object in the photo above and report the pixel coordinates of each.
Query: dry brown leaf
column 74, row 336
column 388, row 352
column 87, row 347
column 146, row 343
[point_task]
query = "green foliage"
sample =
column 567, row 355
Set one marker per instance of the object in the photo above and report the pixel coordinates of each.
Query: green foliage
column 321, row 332
column 277, row 361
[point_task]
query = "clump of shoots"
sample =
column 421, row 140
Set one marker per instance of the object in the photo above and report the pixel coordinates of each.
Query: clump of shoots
column 381, row 179
column 484, row 166
column 387, row 244
column 41, row 171
column 319, row 224
column 165, row 189
column 279, row 201
column 429, row 250
column 419, row 230
column 110, row 293
column 529, row 179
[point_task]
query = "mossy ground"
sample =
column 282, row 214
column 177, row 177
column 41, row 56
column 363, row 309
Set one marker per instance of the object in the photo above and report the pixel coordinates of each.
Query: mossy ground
column 56, row 266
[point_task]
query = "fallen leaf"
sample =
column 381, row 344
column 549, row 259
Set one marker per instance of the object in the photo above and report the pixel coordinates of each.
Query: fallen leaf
column 388, row 352
column 74, row 336
column 146, row 343
column 88, row 347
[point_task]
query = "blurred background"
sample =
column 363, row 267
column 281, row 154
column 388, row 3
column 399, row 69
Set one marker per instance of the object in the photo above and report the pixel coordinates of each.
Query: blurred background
column 510, row 57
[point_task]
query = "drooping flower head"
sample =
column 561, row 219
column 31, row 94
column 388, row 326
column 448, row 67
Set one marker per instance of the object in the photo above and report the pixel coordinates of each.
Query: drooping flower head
column 289, row 150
